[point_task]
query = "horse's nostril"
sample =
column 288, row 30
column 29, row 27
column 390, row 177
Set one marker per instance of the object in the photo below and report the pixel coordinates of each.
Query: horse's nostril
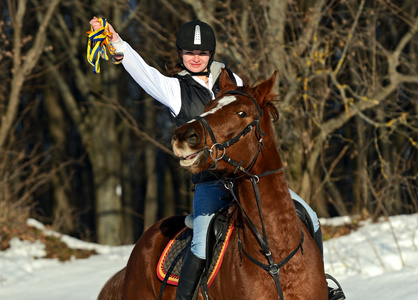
column 192, row 138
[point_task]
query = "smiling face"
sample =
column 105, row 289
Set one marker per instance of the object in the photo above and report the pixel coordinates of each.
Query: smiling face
column 195, row 60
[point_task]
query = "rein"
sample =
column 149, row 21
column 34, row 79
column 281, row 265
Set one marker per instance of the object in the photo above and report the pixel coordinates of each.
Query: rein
column 272, row 268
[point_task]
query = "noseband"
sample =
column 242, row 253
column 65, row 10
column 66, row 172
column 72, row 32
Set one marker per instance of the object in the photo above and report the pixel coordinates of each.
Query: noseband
column 272, row 268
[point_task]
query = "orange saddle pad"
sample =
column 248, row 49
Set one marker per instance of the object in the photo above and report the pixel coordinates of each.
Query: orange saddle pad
column 172, row 258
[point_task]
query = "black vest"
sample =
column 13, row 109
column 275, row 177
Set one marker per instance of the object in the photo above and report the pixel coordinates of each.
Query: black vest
column 194, row 98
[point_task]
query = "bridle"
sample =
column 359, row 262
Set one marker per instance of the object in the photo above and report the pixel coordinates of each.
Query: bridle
column 222, row 146
column 272, row 268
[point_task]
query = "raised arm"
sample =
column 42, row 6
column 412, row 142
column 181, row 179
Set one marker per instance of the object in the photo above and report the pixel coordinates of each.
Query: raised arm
column 162, row 88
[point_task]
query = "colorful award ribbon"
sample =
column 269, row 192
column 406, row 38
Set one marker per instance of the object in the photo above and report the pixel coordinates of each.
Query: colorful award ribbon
column 97, row 44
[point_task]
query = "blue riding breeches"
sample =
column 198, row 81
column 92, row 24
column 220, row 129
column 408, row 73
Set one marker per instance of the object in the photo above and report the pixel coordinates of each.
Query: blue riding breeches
column 209, row 197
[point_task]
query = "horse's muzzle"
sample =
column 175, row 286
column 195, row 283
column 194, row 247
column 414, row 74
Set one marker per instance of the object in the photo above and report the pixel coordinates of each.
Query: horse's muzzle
column 186, row 140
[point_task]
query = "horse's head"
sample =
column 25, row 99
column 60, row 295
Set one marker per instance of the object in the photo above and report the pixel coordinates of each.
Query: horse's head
column 231, row 126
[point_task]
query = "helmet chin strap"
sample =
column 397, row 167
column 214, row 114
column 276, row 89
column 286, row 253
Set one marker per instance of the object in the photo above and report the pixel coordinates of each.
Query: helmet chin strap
column 206, row 73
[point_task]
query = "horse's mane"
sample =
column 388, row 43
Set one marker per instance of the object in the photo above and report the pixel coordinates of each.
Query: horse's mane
column 272, row 110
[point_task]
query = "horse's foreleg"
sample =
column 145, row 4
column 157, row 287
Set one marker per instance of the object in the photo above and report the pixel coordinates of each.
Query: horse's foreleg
column 112, row 290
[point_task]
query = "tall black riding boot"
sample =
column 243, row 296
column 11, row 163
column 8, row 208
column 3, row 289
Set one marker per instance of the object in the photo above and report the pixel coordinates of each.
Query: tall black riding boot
column 333, row 293
column 318, row 240
column 189, row 276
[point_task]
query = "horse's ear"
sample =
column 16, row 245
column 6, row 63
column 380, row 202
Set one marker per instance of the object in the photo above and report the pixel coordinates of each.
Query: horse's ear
column 265, row 88
column 225, row 81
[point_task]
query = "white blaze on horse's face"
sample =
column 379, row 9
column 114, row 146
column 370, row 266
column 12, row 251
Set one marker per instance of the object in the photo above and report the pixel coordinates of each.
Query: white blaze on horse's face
column 221, row 103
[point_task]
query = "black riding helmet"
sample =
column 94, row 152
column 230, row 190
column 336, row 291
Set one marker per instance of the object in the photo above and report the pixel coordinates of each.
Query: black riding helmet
column 196, row 35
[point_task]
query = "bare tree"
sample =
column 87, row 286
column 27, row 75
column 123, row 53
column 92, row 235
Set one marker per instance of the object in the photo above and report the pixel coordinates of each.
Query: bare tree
column 347, row 98
column 24, row 60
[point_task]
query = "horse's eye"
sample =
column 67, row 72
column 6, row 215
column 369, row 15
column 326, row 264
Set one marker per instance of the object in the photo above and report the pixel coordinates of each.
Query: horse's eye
column 242, row 114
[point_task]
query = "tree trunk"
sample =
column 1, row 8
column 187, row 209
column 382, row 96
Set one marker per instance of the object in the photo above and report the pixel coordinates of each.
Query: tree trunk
column 63, row 219
column 105, row 158
column 360, row 187
column 128, row 195
column 150, row 160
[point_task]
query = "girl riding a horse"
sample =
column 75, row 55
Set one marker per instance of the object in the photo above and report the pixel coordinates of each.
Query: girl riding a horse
column 186, row 93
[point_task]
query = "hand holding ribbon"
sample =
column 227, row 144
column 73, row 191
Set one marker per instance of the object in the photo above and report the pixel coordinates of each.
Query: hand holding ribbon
column 97, row 44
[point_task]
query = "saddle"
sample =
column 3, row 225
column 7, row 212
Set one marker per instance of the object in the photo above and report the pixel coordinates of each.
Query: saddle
column 220, row 229
column 304, row 216
column 172, row 258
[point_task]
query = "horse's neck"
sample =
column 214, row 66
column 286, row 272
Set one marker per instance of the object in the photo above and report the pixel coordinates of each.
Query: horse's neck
column 277, row 208
column 278, row 212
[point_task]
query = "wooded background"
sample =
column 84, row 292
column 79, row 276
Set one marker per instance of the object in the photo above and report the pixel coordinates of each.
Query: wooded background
column 90, row 154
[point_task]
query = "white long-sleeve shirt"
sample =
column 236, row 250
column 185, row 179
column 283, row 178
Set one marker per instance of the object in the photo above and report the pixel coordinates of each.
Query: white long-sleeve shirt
column 162, row 88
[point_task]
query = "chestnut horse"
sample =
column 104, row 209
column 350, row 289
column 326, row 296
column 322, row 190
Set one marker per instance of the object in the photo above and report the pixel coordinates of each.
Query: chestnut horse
column 271, row 254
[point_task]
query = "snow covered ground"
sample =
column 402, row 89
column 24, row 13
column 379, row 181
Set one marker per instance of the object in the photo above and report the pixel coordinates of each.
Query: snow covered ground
column 378, row 261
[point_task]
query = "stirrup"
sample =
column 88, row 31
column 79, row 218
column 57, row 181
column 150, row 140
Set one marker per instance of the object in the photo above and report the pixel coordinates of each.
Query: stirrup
column 335, row 293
